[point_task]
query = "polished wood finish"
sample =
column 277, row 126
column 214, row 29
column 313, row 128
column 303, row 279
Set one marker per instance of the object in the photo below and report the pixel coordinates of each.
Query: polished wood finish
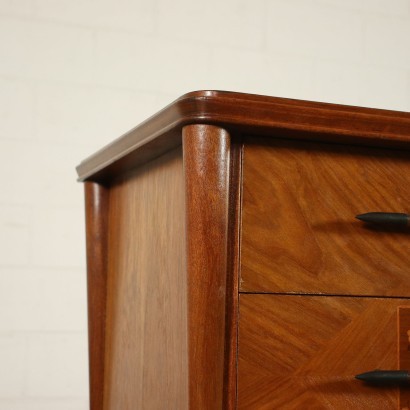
column 247, row 113
column 301, row 352
column 403, row 348
column 96, row 212
column 300, row 234
column 229, row 213
column 232, row 284
column 207, row 176
column 146, row 356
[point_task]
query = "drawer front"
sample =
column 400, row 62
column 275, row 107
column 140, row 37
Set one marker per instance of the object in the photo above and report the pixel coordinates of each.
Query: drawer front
column 302, row 352
column 299, row 232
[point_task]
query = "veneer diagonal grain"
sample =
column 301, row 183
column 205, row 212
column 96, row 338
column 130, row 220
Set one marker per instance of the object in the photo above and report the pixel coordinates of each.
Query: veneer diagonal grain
column 303, row 349
column 299, row 231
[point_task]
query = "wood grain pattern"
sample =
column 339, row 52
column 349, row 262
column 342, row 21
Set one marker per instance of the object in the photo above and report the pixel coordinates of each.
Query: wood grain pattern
column 301, row 352
column 247, row 113
column 164, row 254
column 299, row 229
column 232, row 283
column 146, row 355
column 403, row 347
column 207, row 176
column 96, row 212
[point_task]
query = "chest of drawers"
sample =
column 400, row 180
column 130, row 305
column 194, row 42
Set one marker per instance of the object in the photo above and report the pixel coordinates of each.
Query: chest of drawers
column 226, row 268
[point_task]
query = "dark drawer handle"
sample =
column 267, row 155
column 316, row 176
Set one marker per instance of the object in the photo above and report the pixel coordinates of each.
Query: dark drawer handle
column 385, row 218
column 385, row 377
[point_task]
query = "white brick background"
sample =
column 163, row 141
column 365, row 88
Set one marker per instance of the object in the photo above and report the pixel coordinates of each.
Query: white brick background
column 75, row 74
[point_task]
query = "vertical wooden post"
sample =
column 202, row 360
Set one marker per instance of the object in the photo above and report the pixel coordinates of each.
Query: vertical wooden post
column 96, row 202
column 207, row 177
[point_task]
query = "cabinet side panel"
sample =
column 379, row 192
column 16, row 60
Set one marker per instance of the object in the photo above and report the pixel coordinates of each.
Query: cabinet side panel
column 96, row 210
column 146, row 353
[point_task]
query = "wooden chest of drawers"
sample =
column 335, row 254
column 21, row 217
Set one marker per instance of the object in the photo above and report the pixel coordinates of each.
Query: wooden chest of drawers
column 226, row 268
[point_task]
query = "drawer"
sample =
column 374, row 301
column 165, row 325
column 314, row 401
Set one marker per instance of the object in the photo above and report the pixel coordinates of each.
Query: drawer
column 299, row 232
column 302, row 352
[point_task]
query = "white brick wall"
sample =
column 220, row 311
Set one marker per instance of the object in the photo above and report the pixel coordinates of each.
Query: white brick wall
column 42, row 300
column 74, row 74
column 13, row 359
column 314, row 30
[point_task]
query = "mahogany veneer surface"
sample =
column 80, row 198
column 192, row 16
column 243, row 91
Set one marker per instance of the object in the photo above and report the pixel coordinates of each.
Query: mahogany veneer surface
column 403, row 339
column 146, row 330
column 302, row 352
column 299, row 232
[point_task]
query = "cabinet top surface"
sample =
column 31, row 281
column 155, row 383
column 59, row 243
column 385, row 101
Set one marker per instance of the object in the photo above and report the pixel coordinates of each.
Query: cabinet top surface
column 248, row 114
